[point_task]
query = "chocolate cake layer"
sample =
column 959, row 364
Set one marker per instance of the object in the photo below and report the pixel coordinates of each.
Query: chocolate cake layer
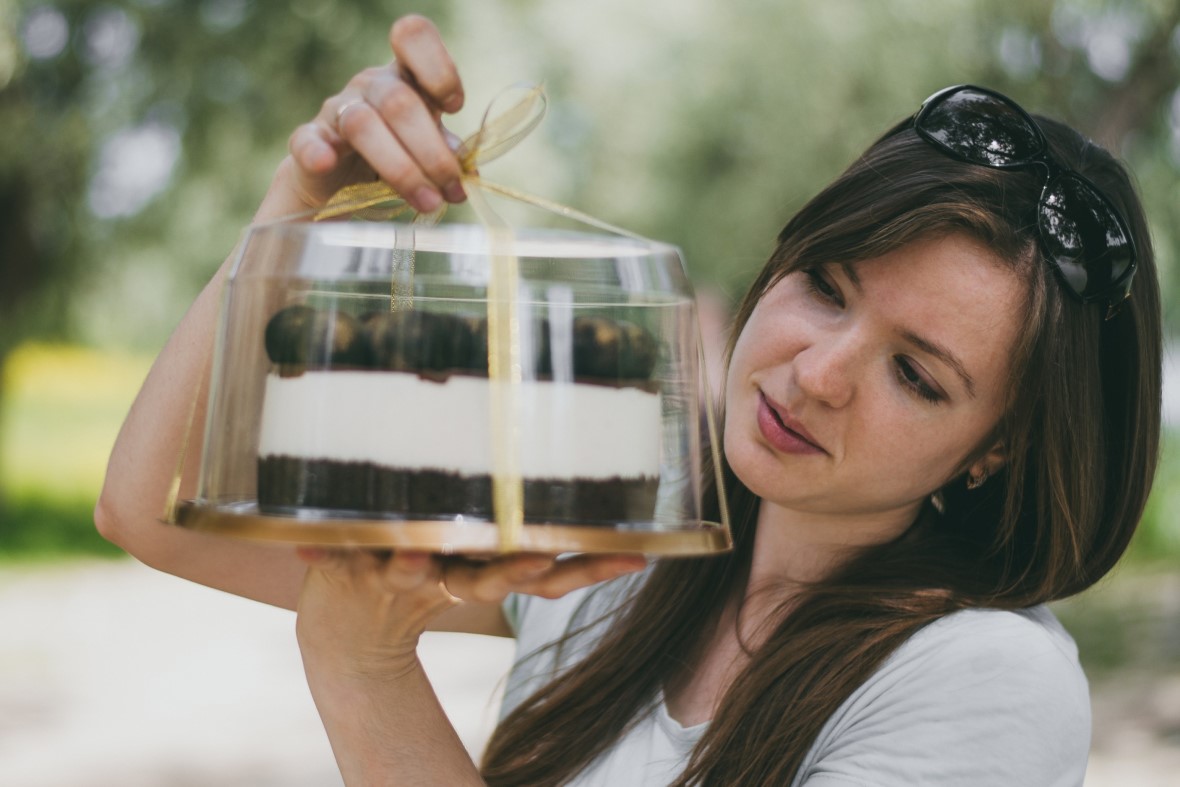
column 363, row 488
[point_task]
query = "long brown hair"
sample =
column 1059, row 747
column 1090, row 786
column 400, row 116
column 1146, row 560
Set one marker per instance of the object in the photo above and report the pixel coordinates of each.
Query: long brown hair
column 1081, row 437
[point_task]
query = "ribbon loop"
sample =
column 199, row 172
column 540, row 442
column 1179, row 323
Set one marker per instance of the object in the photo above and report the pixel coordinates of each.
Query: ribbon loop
column 498, row 133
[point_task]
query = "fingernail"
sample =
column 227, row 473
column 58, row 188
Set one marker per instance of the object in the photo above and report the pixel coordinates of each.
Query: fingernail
column 317, row 150
column 453, row 191
column 427, row 199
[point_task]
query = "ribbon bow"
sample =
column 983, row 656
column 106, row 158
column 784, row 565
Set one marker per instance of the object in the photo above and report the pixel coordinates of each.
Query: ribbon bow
column 499, row 132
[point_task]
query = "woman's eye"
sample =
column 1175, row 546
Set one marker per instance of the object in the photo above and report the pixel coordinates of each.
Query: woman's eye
column 821, row 287
column 912, row 379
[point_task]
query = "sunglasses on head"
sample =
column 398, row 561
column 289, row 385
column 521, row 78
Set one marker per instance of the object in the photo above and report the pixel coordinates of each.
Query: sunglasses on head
column 1082, row 234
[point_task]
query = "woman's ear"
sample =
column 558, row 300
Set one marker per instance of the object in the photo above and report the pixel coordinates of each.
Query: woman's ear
column 986, row 466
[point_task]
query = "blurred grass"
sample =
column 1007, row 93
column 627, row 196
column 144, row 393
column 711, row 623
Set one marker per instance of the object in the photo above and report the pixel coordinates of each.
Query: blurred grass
column 59, row 415
column 1158, row 536
column 41, row 528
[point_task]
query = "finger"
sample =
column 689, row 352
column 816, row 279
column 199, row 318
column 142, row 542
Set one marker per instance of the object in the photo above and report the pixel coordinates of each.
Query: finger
column 322, row 558
column 322, row 134
column 326, row 124
column 323, row 160
column 351, row 563
column 579, row 572
column 407, row 571
column 490, row 582
column 369, row 135
column 311, row 146
column 420, row 52
column 402, row 109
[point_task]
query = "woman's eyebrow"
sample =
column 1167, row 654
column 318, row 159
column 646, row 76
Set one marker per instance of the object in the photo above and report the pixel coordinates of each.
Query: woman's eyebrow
column 850, row 272
column 944, row 355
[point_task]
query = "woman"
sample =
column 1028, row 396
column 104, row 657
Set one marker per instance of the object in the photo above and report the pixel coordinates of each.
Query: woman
column 941, row 411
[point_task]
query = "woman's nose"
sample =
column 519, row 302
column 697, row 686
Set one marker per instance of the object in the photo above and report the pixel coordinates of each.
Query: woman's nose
column 826, row 370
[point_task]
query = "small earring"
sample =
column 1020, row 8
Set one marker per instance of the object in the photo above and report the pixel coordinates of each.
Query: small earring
column 976, row 481
column 938, row 501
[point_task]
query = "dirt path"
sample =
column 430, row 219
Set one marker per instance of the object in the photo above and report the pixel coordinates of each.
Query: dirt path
column 113, row 674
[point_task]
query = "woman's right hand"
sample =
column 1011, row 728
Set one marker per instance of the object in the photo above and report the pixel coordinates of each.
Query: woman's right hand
column 361, row 613
column 386, row 123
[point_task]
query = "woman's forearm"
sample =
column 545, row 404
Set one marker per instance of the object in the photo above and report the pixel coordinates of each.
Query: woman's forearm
column 390, row 730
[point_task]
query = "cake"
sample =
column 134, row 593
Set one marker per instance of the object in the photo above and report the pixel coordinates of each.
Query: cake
column 386, row 415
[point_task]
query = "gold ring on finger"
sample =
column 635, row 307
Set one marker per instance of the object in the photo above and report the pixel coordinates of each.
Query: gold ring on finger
column 442, row 584
column 347, row 105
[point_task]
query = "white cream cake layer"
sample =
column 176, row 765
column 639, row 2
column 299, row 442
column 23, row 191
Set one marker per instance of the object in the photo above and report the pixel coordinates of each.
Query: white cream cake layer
column 400, row 420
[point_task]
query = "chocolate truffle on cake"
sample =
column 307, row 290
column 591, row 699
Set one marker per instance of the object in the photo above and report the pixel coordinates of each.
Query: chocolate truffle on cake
column 612, row 350
column 299, row 336
column 422, row 342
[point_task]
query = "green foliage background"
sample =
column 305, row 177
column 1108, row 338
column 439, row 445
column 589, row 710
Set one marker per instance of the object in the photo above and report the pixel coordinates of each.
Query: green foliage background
column 701, row 123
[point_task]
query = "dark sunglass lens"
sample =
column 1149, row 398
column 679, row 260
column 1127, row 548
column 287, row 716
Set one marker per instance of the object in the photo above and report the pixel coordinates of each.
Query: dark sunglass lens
column 1084, row 237
column 981, row 128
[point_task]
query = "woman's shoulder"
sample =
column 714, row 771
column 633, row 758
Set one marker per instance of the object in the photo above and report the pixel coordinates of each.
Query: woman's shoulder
column 1030, row 637
column 981, row 696
column 988, row 658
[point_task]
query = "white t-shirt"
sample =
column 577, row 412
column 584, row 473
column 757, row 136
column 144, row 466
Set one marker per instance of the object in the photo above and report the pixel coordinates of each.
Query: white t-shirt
column 980, row 698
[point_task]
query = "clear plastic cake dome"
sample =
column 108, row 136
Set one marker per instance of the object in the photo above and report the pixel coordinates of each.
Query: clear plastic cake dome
column 371, row 386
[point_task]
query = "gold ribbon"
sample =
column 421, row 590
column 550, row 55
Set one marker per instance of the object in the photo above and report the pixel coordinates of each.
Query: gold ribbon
column 502, row 129
column 498, row 133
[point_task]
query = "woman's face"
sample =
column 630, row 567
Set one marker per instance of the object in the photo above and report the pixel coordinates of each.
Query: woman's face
column 859, row 390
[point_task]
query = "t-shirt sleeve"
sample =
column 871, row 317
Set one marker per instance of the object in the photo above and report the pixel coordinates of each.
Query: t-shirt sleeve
column 980, row 698
column 538, row 623
column 514, row 609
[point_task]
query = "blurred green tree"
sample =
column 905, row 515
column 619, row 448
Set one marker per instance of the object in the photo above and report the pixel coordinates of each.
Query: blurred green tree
column 708, row 124
column 140, row 133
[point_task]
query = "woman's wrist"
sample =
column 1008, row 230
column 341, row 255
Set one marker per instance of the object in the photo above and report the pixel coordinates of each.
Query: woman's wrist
column 359, row 671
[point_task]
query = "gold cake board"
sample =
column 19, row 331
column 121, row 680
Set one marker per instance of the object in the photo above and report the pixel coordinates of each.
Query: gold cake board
column 447, row 536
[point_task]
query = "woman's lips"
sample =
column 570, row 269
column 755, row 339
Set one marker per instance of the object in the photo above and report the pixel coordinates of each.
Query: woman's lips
column 784, row 433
